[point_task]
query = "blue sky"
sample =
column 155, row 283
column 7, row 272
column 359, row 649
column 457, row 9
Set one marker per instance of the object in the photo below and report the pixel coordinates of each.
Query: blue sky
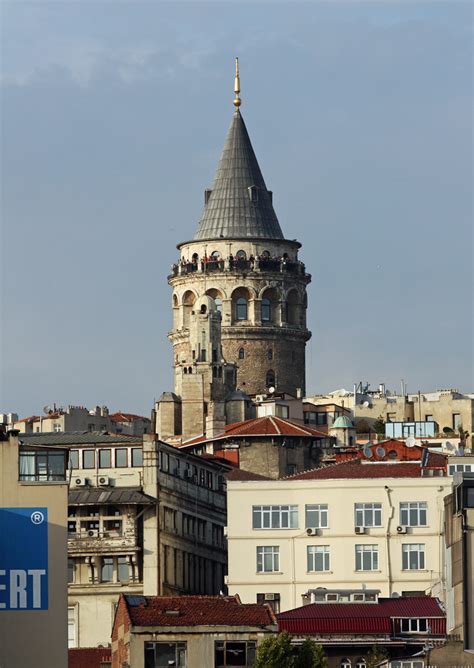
column 114, row 115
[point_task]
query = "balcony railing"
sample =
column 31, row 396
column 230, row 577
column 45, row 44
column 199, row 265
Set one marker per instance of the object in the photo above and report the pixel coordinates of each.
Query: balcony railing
column 236, row 264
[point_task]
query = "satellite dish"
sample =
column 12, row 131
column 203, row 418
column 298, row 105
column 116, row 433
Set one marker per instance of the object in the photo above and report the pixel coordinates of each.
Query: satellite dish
column 47, row 409
column 410, row 442
column 449, row 446
column 380, row 451
column 271, row 390
column 367, row 452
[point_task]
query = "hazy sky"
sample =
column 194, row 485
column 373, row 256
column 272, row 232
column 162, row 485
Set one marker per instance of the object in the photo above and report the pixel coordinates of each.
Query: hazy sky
column 114, row 115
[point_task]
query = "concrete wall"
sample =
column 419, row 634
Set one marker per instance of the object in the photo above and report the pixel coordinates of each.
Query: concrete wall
column 293, row 579
column 29, row 638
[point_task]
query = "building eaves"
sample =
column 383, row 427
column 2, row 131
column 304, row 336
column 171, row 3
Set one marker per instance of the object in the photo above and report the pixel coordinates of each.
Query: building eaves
column 78, row 438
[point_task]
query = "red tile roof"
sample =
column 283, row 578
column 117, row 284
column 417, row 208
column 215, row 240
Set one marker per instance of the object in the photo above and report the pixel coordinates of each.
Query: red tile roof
column 355, row 468
column 360, row 617
column 32, row 418
column 197, row 611
column 89, row 657
column 126, row 417
column 269, row 425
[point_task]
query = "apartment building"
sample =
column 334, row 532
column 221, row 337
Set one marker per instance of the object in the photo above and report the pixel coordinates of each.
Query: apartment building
column 144, row 519
column 33, row 555
column 359, row 523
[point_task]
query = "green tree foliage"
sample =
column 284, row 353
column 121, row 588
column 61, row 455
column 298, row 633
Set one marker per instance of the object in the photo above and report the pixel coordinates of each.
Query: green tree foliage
column 277, row 652
column 375, row 656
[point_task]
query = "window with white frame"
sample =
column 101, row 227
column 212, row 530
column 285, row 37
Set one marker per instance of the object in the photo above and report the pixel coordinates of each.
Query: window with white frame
column 275, row 517
column 407, row 664
column 368, row 514
column 316, row 516
column 367, row 557
column 71, row 627
column 268, row 559
column 414, row 625
column 318, row 557
column 460, row 468
column 346, row 663
column 413, row 557
column 413, row 513
column 360, row 663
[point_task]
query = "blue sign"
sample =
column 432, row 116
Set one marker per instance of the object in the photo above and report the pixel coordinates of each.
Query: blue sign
column 23, row 559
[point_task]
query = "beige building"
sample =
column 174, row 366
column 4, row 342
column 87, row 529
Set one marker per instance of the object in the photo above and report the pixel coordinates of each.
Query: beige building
column 377, row 525
column 33, row 555
column 144, row 518
column 189, row 631
column 449, row 409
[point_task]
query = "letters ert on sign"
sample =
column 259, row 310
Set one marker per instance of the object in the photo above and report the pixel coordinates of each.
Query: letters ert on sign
column 23, row 559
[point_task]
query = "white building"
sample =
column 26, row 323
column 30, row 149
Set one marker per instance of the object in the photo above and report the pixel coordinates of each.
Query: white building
column 355, row 524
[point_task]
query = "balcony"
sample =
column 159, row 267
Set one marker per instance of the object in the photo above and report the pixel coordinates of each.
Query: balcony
column 239, row 265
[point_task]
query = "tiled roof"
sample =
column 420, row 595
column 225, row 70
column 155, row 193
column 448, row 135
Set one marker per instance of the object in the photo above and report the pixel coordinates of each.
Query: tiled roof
column 239, row 474
column 358, row 469
column 78, row 438
column 89, row 657
column 358, row 617
column 230, row 212
column 196, row 611
column 262, row 426
column 127, row 417
column 28, row 420
column 116, row 496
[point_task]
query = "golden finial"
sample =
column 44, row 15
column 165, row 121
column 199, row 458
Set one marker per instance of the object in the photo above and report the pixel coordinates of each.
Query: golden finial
column 237, row 100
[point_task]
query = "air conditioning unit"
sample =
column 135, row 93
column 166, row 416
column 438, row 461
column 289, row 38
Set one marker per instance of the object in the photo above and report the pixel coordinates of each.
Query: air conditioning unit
column 313, row 532
column 401, row 529
column 104, row 481
column 93, row 533
column 80, row 482
column 269, row 597
column 260, row 397
column 359, row 530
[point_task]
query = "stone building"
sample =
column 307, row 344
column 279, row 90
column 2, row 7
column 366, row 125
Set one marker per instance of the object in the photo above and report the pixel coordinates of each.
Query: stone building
column 144, row 519
column 239, row 298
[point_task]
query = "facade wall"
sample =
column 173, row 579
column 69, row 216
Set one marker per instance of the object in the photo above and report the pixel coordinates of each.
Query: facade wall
column 30, row 638
column 293, row 579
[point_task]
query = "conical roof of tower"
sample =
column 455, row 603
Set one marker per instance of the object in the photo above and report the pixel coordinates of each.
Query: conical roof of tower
column 239, row 205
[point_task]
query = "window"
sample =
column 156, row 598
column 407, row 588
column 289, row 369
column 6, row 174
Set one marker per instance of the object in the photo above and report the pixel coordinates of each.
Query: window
column 121, row 459
column 270, row 378
column 368, row 514
column 282, row 411
column 122, row 569
column 456, row 420
column 346, row 663
column 407, row 664
column 70, row 570
column 241, row 308
column 273, row 600
column 318, row 557
column 266, row 309
column 429, row 418
column 275, row 517
column 42, row 465
column 56, row 427
column 270, row 354
column 413, row 557
column 317, row 516
column 413, row 514
column 241, row 354
column 241, row 255
column 88, row 459
column 234, row 653
column 310, row 417
column 107, row 570
column 463, row 468
column 105, row 459
column 71, row 627
column 268, row 559
column 367, row 557
column 74, row 459
column 137, row 457
column 360, row 663
column 414, row 625
column 165, row 654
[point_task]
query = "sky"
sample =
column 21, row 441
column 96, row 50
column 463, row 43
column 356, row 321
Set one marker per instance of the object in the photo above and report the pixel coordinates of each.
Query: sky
column 114, row 116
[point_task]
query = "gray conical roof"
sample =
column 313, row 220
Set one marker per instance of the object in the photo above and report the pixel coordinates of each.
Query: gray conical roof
column 232, row 211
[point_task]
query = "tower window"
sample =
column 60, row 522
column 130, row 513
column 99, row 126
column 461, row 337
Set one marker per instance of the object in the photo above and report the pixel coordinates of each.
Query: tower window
column 270, row 378
column 203, row 308
column 253, row 194
column 266, row 310
column 241, row 354
column 241, row 255
column 269, row 354
column 241, row 309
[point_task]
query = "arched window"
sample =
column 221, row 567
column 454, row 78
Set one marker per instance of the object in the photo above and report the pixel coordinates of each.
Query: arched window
column 215, row 255
column 266, row 309
column 185, row 370
column 195, row 258
column 266, row 254
column 292, row 308
column 346, row 663
column 241, row 254
column 203, row 309
column 190, row 369
column 269, row 354
column 270, row 378
column 241, row 354
column 218, row 303
column 360, row 663
column 241, row 309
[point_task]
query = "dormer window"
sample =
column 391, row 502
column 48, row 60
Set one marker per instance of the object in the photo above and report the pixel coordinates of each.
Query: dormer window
column 253, row 194
column 414, row 625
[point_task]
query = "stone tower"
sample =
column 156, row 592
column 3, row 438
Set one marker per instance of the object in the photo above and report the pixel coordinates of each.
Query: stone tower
column 240, row 258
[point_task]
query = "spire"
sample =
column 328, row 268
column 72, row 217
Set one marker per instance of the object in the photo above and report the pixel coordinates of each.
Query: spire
column 239, row 204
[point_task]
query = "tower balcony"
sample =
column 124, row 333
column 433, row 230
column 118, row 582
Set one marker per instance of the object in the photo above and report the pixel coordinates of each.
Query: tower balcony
column 239, row 265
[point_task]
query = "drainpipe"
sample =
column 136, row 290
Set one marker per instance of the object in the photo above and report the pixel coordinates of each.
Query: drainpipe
column 387, row 540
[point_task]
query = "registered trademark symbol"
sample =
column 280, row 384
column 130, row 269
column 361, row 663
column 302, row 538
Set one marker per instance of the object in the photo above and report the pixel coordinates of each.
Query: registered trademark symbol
column 37, row 517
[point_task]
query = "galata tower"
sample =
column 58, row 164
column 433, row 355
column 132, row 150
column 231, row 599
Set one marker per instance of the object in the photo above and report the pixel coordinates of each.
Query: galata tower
column 240, row 258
